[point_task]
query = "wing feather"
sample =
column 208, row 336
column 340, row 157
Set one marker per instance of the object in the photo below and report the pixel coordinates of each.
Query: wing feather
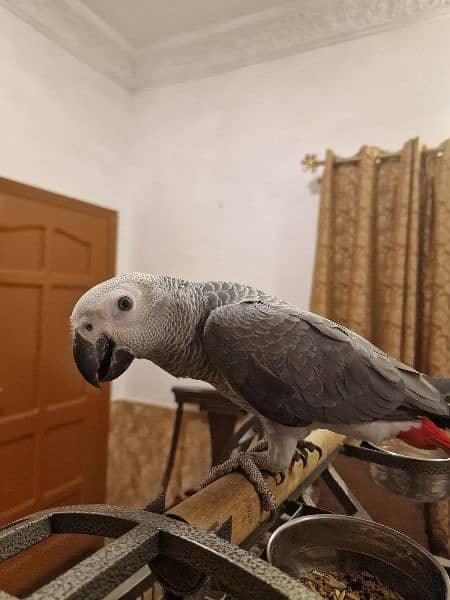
column 296, row 367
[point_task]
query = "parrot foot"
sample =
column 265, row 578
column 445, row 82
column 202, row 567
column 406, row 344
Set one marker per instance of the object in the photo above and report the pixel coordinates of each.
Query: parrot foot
column 301, row 451
column 251, row 464
column 261, row 446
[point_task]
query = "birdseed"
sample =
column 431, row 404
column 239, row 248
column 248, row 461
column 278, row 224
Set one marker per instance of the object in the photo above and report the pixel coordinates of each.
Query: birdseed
column 333, row 585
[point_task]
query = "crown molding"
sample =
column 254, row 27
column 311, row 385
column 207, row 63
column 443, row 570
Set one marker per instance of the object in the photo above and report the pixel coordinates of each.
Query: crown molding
column 70, row 24
column 292, row 28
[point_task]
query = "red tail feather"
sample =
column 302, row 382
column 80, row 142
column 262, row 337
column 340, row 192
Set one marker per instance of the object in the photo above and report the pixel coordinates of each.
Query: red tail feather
column 426, row 437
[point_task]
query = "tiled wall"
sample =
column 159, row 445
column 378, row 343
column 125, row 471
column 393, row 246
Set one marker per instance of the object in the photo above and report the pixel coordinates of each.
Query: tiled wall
column 139, row 442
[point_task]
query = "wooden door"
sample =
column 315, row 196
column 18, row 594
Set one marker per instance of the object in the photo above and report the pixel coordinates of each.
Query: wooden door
column 53, row 426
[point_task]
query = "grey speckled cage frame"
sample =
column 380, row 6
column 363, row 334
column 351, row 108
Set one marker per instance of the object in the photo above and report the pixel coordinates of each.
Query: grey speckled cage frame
column 180, row 555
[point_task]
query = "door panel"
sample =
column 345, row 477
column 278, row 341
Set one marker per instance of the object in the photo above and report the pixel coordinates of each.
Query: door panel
column 53, row 426
column 20, row 309
column 17, row 459
column 64, row 382
column 21, row 247
column 69, row 254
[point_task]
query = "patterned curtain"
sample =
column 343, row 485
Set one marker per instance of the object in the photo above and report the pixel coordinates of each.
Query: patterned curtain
column 383, row 260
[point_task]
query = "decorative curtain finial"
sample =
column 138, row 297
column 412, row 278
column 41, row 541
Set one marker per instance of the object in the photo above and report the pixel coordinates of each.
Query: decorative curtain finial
column 310, row 162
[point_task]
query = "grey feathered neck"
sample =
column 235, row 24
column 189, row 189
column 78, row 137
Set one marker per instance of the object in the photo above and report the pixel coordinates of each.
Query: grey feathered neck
column 183, row 353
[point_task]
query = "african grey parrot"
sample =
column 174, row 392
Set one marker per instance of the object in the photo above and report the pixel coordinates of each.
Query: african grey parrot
column 294, row 369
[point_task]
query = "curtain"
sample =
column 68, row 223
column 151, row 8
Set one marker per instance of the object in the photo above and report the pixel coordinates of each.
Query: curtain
column 382, row 264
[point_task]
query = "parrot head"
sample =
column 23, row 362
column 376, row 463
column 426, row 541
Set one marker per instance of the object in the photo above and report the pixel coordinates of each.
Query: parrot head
column 115, row 322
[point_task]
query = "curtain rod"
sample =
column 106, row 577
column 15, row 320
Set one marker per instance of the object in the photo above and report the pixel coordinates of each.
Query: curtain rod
column 310, row 162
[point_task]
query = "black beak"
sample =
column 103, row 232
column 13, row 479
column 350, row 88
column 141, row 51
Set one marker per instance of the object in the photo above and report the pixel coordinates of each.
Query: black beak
column 100, row 362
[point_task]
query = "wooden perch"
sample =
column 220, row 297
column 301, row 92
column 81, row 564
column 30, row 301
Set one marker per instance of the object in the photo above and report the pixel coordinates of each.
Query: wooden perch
column 233, row 495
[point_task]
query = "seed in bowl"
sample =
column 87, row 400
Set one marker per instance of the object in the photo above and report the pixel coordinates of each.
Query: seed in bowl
column 348, row 586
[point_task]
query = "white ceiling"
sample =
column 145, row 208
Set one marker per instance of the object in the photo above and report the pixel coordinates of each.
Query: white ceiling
column 142, row 22
column 148, row 43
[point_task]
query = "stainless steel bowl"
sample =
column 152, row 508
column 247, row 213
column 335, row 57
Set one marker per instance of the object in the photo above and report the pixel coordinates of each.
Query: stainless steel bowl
column 348, row 544
column 426, row 477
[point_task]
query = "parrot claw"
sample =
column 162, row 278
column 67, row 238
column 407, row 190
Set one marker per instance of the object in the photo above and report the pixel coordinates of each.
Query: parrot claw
column 280, row 477
column 301, row 452
column 251, row 464
column 310, row 446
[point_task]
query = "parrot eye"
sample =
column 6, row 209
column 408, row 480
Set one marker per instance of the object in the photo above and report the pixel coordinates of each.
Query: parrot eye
column 125, row 303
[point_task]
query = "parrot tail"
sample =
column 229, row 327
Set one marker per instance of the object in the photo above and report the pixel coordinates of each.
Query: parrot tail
column 426, row 437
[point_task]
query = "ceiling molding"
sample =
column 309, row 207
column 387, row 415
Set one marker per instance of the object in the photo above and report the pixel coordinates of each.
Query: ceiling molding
column 290, row 29
column 78, row 30
column 294, row 28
